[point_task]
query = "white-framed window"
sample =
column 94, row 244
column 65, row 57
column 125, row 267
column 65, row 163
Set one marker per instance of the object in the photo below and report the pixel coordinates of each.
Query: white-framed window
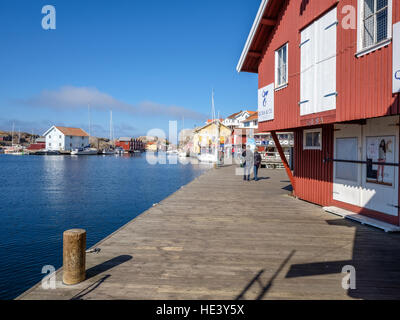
column 346, row 149
column 374, row 25
column 312, row 139
column 281, row 66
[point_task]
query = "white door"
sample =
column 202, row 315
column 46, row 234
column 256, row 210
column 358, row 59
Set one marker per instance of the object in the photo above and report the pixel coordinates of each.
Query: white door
column 347, row 176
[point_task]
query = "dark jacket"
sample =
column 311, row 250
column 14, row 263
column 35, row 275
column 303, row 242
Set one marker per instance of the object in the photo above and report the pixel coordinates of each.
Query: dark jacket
column 257, row 159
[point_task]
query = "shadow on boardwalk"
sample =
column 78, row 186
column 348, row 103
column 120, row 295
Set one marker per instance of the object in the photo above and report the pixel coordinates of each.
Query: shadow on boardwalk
column 223, row 238
column 376, row 260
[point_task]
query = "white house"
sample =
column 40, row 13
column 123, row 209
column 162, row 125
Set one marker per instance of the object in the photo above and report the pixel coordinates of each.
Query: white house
column 251, row 122
column 235, row 120
column 67, row 139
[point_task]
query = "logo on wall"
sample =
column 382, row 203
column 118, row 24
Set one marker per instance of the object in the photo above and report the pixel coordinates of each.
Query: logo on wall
column 266, row 103
column 397, row 75
column 265, row 95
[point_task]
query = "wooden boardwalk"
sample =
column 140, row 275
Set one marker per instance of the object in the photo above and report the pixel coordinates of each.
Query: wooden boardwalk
column 220, row 237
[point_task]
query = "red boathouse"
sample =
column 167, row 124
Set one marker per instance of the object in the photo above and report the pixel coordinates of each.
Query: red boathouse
column 330, row 72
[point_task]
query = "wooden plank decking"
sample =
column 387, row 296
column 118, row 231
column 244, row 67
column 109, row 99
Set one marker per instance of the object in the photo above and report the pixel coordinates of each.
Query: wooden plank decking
column 220, row 237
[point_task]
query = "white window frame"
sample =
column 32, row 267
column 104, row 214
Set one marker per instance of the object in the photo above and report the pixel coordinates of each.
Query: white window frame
column 305, row 147
column 278, row 85
column 361, row 50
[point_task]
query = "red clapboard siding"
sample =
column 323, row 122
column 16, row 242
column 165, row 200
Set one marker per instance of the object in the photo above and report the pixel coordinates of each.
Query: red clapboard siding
column 364, row 84
column 313, row 176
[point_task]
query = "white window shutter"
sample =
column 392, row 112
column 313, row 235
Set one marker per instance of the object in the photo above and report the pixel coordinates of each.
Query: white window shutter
column 307, row 70
column 326, row 62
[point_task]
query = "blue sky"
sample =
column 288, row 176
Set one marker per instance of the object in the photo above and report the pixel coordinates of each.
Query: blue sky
column 148, row 61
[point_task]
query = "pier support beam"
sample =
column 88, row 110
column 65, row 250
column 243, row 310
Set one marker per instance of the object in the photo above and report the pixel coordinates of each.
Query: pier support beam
column 284, row 160
column 74, row 256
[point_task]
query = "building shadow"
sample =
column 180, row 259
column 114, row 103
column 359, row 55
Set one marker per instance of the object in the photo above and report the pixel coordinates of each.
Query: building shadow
column 264, row 287
column 375, row 258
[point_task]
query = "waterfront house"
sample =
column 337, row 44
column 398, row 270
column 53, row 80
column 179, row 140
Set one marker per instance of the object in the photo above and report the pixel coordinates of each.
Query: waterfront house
column 37, row 146
column 251, row 122
column 235, row 120
column 130, row 144
column 152, row 146
column 205, row 138
column 330, row 72
column 65, row 138
column 124, row 143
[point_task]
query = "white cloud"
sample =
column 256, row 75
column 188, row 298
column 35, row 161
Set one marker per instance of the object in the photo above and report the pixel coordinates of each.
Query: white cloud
column 69, row 97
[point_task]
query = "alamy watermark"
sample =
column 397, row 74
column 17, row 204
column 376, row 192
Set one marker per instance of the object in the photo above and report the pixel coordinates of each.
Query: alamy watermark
column 49, row 281
column 349, row 280
column 49, row 20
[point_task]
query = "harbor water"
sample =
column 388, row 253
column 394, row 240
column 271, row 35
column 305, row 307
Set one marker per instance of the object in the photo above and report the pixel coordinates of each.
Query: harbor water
column 42, row 196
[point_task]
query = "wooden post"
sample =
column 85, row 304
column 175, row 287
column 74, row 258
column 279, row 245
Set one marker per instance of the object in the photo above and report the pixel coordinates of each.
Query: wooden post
column 74, row 256
column 284, row 160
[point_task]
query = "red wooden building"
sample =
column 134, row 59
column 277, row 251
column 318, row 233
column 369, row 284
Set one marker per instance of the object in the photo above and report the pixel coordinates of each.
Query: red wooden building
column 328, row 72
column 130, row 144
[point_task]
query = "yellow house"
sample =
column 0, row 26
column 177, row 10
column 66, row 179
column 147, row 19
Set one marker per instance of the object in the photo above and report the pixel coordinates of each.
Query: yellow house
column 206, row 136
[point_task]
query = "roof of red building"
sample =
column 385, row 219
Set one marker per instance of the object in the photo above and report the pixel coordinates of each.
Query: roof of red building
column 76, row 132
column 263, row 25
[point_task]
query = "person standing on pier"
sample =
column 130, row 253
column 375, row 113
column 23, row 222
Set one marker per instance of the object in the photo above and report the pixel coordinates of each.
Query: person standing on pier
column 248, row 164
column 257, row 164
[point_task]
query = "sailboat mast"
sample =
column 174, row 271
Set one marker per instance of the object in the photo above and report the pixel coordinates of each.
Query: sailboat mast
column 12, row 135
column 89, row 121
column 110, row 125
column 212, row 106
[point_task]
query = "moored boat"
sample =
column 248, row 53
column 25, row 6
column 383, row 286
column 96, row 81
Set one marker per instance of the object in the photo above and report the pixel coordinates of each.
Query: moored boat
column 15, row 150
column 119, row 150
column 84, row 151
column 108, row 152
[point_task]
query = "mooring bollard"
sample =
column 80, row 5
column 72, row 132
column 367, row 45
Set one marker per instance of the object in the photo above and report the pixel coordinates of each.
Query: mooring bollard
column 74, row 256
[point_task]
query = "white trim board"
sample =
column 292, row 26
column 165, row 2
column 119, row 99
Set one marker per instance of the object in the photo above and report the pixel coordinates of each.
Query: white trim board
column 387, row 227
column 252, row 34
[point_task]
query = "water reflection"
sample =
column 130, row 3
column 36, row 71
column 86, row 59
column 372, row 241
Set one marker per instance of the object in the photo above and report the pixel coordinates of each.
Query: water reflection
column 42, row 196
